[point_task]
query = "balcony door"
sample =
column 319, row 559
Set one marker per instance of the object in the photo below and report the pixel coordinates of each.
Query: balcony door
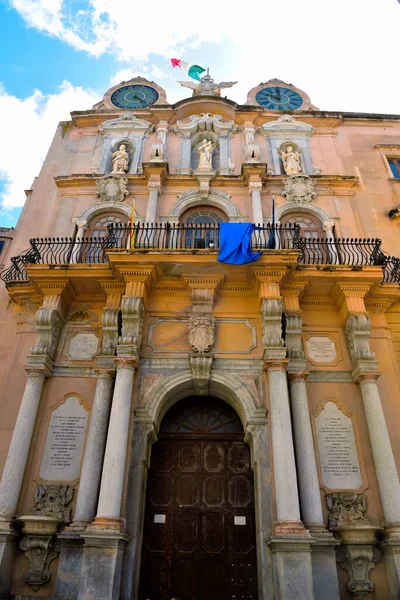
column 202, row 231
column 316, row 249
column 199, row 531
column 93, row 252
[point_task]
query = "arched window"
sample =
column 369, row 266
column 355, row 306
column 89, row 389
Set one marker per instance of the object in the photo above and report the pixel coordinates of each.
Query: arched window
column 202, row 227
column 98, row 225
column 310, row 226
column 93, row 252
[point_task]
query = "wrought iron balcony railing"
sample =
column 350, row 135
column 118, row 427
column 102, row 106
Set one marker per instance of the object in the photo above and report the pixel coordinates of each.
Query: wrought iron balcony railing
column 170, row 238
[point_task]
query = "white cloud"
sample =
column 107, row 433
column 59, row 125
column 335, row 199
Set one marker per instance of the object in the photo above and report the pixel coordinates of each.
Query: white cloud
column 340, row 53
column 28, row 126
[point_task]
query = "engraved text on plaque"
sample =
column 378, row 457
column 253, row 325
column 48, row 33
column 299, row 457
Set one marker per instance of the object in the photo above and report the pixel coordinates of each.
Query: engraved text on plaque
column 62, row 454
column 340, row 467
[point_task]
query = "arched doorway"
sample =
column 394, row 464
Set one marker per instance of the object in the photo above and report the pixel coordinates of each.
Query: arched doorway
column 199, row 531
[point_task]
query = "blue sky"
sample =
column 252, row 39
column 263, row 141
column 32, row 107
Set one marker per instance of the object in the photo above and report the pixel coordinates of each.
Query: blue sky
column 62, row 55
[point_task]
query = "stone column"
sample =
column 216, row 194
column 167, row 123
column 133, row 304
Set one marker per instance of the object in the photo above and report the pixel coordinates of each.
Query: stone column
column 365, row 373
column 257, row 437
column 285, row 477
column 385, row 465
column 151, row 214
column 78, row 247
column 185, row 154
column 290, row 543
column 14, row 468
column 105, row 539
column 255, row 188
column 305, row 454
column 325, row 579
column 328, row 226
column 112, row 480
column 94, row 450
column 143, row 436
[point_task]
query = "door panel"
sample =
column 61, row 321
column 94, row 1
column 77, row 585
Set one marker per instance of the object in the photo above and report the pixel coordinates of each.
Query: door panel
column 199, row 531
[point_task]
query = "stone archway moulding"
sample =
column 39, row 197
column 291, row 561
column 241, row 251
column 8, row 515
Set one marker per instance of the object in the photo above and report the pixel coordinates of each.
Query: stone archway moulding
column 102, row 208
column 301, row 208
column 217, row 198
column 157, row 400
column 228, row 387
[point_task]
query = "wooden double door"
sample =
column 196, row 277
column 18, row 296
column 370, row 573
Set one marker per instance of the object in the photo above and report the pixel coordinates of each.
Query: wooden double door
column 199, row 532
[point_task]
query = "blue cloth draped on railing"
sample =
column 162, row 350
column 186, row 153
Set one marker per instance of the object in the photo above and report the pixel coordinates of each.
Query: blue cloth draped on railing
column 234, row 243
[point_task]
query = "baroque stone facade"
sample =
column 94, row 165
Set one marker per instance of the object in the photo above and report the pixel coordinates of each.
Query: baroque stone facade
column 210, row 429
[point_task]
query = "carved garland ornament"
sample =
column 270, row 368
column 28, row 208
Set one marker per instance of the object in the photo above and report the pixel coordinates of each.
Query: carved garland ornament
column 201, row 333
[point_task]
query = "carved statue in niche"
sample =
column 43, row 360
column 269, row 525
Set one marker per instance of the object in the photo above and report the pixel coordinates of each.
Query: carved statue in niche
column 120, row 160
column 205, row 152
column 291, row 161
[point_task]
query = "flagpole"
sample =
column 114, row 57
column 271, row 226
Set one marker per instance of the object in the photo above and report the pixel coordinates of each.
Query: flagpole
column 132, row 226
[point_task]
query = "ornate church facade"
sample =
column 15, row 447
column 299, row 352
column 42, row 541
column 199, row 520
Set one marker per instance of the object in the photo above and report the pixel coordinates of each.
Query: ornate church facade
column 172, row 425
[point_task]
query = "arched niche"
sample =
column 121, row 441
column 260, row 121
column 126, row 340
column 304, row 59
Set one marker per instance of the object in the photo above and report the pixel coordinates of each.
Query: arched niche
column 130, row 148
column 195, row 154
column 129, row 130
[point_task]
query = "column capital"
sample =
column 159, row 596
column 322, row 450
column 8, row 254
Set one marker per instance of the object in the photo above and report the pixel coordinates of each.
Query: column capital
column 104, row 373
column 82, row 224
column 275, row 365
column 294, row 376
column 328, row 225
column 154, row 185
column 127, row 362
column 39, row 366
column 255, row 186
column 366, row 377
column 38, row 371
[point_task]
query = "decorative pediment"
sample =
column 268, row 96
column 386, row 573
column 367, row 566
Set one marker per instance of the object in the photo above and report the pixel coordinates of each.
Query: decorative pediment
column 127, row 123
column 285, row 126
column 206, row 123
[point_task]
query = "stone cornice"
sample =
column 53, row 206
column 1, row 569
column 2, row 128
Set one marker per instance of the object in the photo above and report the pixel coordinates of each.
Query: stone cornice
column 325, row 185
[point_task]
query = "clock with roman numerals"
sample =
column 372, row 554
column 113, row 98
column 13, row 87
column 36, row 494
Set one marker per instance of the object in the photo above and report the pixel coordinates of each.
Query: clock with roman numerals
column 134, row 96
column 277, row 97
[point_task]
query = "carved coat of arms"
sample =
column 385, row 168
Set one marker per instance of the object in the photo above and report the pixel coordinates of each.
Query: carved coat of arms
column 201, row 333
column 299, row 189
column 112, row 188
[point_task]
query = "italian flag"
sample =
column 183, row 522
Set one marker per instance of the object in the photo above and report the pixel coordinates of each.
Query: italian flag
column 194, row 71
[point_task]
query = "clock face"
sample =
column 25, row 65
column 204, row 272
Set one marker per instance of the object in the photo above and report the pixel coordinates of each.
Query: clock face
column 279, row 98
column 134, row 96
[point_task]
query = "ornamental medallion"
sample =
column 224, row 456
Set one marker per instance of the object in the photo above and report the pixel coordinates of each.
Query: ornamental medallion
column 201, row 333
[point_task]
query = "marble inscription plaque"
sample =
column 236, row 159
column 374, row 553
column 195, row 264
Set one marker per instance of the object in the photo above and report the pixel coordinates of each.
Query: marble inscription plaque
column 340, row 466
column 83, row 346
column 321, row 349
column 62, row 454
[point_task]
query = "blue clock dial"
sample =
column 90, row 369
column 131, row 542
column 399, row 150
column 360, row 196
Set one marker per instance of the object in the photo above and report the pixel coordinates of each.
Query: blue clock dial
column 134, row 96
column 279, row 98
